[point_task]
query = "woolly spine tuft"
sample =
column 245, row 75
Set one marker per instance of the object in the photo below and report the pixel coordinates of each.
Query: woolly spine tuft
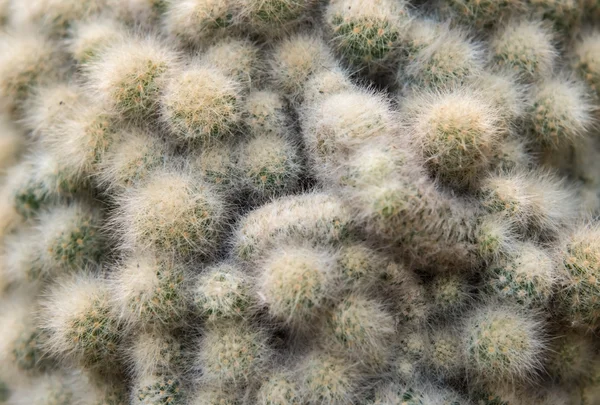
column 496, row 238
column 279, row 389
column 296, row 282
column 238, row 59
column 89, row 38
column 49, row 107
column 445, row 355
column 586, row 60
column 525, row 47
column 149, row 291
column 173, row 212
column 77, row 316
column 155, row 353
column 129, row 75
column 328, row 380
column 525, row 278
column 367, row 34
column 450, row 294
column 456, row 132
column 201, row 103
column 294, row 61
column 222, row 293
column 503, row 343
column 233, row 354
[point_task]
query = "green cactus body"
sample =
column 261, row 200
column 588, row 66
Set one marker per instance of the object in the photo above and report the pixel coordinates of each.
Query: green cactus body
column 137, row 92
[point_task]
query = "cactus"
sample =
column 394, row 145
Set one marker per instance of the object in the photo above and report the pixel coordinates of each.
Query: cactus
column 21, row 261
column 586, row 61
column 216, row 165
column 188, row 221
column 445, row 355
column 412, row 350
column 27, row 61
column 579, row 277
column 129, row 75
column 496, row 238
column 279, row 389
column 361, row 329
column 484, row 13
column 456, row 131
column 12, row 143
column 232, row 354
column 155, row 353
column 503, row 343
column 572, row 358
column 264, row 114
column 327, row 379
column 564, row 14
column 535, row 198
column 150, row 291
column 196, row 22
column 237, row 59
column 88, row 39
column 222, row 293
column 49, row 107
column 274, row 18
column 216, row 396
column 78, row 319
column 294, row 61
column 157, row 390
column 367, row 34
column 527, row 277
column 201, row 103
column 450, row 293
column 295, row 283
column 525, row 47
column 451, row 59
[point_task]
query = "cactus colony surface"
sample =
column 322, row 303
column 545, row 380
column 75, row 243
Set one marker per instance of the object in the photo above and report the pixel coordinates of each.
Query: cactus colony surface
column 299, row 202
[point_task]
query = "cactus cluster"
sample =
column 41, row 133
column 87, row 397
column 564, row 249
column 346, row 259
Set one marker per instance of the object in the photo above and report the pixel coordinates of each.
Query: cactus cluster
column 299, row 202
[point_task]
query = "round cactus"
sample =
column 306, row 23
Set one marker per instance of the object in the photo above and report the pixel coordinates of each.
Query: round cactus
column 368, row 33
column 317, row 217
column 233, row 353
column 196, row 22
column 580, row 277
column 155, row 353
column 445, row 355
column 525, row 47
column 201, row 103
column 483, row 13
column 237, row 59
column 279, row 389
column 324, row 84
column 361, row 329
column 412, row 349
column 587, row 61
column 70, row 237
column 496, row 238
column 157, row 390
column 560, row 113
column 456, row 131
column 421, row 33
column 451, row 59
column 89, row 38
column 129, row 76
column 503, row 343
column 361, row 267
column 535, row 198
column 49, row 107
column 222, row 292
column 129, row 160
column 572, row 357
column 26, row 61
column 78, row 318
column 295, row 60
column 172, row 212
column 295, row 283
column 526, row 277
column 265, row 114
column 274, row 18
column 564, row 14
column 217, row 165
column 20, row 260
column 327, row 380
column 149, row 291
column 450, row 293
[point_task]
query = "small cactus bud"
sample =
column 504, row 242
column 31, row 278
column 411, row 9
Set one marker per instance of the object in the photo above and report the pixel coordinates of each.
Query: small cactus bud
column 161, row 389
column 296, row 282
column 89, row 38
column 529, row 198
column 238, row 59
column 264, row 113
column 328, row 380
column 503, row 343
column 279, row 389
column 222, row 292
column 12, row 143
column 70, row 237
column 49, row 107
column 361, row 329
column 367, row 34
column 580, row 275
column 217, row 165
column 412, row 349
column 496, row 238
column 560, row 113
column 361, row 267
column 233, row 353
column 456, row 131
column 128, row 76
column 295, row 60
column 316, row 217
column 21, row 259
column 81, row 328
column 172, row 212
column 197, row 22
column 525, row 47
column 201, row 103
column 527, row 277
column 155, row 353
column 445, row 355
column 587, row 61
column 129, row 160
column 324, row 84
column 149, row 291
column 26, row 61
column 451, row 59
column 450, row 293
